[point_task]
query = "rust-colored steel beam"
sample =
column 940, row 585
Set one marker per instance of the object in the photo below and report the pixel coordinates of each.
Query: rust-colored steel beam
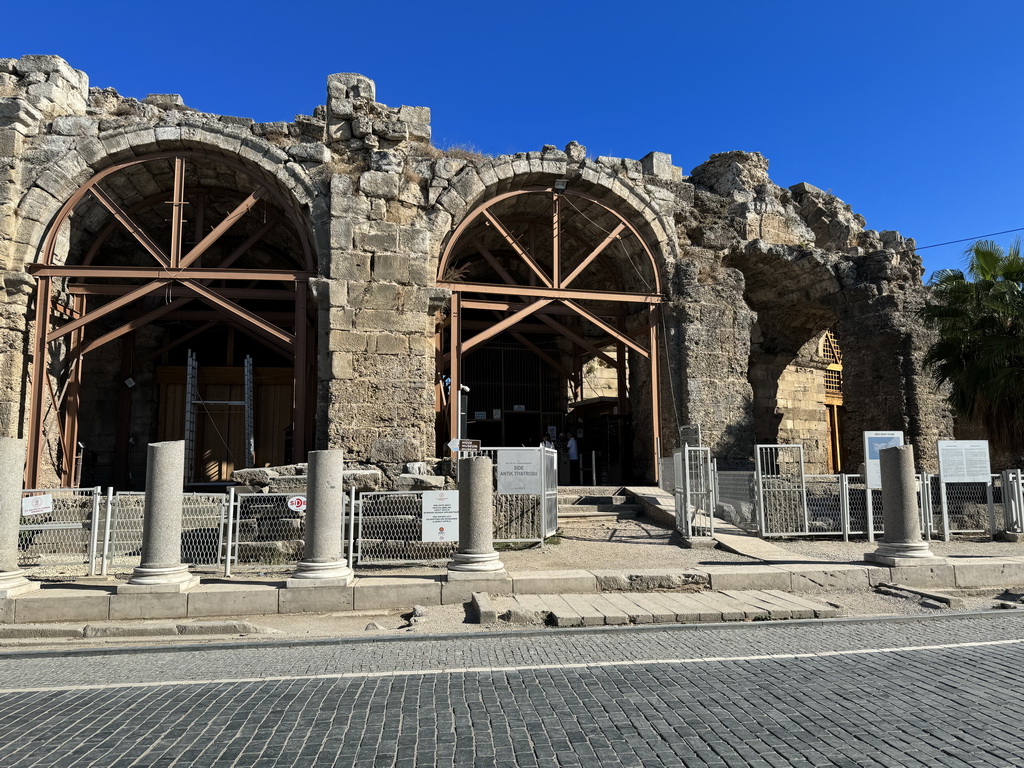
column 270, row 294
column 575, row 337
column 655, row 391
column 508, row 322
column 217, row 232
column 158, row 273
column 490, row 259
column 284, row 340
column 39, row 371
column 552, row 293
column 611, row 331
column 126, row 221
column 106, row 309
column 520, row 251
column 557, row 309
column 177, row 211
column 455, row 370
column 593, row 254
column 556, row 242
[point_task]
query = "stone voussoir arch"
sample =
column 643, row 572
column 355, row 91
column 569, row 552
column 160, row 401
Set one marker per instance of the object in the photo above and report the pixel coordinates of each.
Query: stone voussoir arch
column 476, row 183
column 88, row 157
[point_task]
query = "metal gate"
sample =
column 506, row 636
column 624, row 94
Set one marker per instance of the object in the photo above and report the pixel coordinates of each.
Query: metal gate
column 781, row 491
column 694, row 492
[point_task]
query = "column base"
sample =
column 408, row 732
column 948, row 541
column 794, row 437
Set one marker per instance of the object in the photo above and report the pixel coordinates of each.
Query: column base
column 464, row 562
column 310, row 574
column 900, row 553
column 176, row 579
column 14, row 583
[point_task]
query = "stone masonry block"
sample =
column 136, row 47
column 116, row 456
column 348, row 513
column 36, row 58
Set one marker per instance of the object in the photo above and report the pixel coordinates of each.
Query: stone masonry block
column 349, row 265
column 389, row 320
column 233, row 600
column 379, row 184
column 461, row 590
column 554, row 582
column 824, row 578
column 315, row 600
column 748, row 577
column 341, row 233
column 403, row 593
column 924, row 575
column 10, row 142
column 988, row 573
column 62, row 607
column 151, row 606
column 380, row 236
column 6, row 611
column 393, row 267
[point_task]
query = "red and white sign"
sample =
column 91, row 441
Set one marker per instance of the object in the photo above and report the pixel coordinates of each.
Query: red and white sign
column 297, row 503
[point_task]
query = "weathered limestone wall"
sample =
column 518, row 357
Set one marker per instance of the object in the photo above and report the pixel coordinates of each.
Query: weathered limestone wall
column 733, row 251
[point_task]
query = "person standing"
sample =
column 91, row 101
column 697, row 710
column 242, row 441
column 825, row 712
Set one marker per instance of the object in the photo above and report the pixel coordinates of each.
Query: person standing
column 574, row 460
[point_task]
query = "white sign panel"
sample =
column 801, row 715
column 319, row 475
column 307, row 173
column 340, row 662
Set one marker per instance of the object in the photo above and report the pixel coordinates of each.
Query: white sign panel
column 964, row 461
column 440, row 516
column 519, row 471
column 37, row 505
column 297, row 503
column 873, row 443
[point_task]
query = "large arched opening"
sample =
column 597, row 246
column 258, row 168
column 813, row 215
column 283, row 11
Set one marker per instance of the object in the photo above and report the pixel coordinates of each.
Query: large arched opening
column 171, row 304
column 553, row 328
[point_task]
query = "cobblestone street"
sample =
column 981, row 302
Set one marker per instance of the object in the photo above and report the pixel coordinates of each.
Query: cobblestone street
column 894, row 693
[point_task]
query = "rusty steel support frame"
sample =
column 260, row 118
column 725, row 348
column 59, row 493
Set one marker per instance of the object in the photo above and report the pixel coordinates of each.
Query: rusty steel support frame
column 173, row 272
column 546, row 295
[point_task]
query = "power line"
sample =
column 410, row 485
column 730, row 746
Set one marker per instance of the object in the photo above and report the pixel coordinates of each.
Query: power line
column 970, row 239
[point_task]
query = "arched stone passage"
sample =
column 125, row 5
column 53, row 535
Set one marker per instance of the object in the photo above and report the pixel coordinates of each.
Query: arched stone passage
column 150, row 258
column 544, row 281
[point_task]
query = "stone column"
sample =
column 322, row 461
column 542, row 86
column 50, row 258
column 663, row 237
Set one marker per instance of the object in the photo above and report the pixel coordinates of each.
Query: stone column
column 902, row 544
column 12, row 470
column 161, row 569
column 476, row 557
column 322, row 564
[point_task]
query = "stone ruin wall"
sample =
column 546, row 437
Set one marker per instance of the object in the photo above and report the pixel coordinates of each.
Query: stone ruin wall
column 734, row 250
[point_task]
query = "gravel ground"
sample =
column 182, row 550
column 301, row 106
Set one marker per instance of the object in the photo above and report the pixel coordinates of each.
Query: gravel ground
column 853, row 551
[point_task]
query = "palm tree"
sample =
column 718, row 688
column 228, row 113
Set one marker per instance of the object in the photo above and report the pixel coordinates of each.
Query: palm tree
column 979, row 354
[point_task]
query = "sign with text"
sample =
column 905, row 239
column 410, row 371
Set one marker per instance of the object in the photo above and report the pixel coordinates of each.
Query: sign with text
column 297, row 503
column 37, row 505
column 440, row 516
column 964, row 461
column 873, row 443
column 519, row 471
column 462, row 444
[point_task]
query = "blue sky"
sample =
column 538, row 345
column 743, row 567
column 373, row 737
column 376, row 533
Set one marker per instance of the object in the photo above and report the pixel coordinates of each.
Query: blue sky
column 909, row 111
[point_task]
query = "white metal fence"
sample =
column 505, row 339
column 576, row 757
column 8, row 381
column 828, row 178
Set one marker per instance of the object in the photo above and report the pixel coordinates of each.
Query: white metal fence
column 524, row 517
column 62, row 531
column 694, row 491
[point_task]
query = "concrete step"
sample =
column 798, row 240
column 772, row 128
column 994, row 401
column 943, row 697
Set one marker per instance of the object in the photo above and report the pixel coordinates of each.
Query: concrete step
column 578, row 510
column 595, row 499
column 589, row 490
column 610, row 608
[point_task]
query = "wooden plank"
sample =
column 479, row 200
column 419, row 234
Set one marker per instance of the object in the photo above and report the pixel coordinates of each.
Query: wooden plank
column 751, row 611
column 797, row 609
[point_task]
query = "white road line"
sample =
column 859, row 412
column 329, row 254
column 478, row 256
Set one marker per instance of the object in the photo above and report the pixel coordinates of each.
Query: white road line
column 513, row 669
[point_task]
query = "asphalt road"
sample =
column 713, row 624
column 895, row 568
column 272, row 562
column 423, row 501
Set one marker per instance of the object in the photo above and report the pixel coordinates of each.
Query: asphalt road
column 936, row 692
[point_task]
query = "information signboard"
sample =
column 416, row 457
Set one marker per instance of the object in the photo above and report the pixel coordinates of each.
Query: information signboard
column 964, row 461
column 873, row 443
column 440, row 516
column 519, row 470
column 37, row 505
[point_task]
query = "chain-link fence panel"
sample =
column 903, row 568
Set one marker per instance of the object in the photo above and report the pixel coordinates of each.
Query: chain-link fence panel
column 203, row 529
column 389, row 529
column 825, row 514
column 268, row 531
column 966, row 508
column 59, row 527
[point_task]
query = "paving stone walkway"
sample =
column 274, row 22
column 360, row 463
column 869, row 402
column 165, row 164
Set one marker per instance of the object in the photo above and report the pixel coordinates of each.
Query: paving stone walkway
column 757, row 695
